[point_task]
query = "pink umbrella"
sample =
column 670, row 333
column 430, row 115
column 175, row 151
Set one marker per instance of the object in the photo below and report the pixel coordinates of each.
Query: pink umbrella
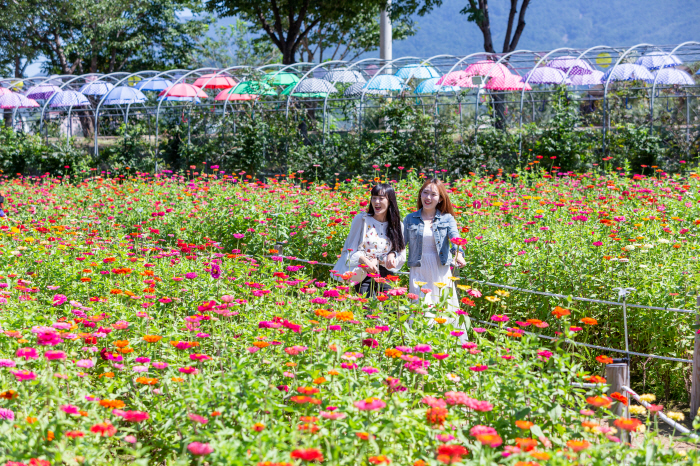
column 183, row 90
column 224, row 95
column 456, row 78
column 510, row 82
column 13, row 100
column 4, row 90
column 487, row 68
column 213, row 81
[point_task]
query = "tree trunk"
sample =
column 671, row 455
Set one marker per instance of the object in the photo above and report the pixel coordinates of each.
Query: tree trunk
column 288, row 55
column 499, row 111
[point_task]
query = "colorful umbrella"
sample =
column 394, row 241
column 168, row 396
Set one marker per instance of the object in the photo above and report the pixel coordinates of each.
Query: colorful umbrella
column 657, row 60
column 344, row 76
column 566, row 63
column 587, row 79
column 13, row 100
column 98, row 88
column 545, row 75
column 183, row 90
column 68, row 99
column 416, row 71
column 214, row 81
column 254, row 88
column 226, row 95
column 42, row 91
column 311, row 86
column 431, row 86
column 673, row 76
column 510, row 82
column 457, row 78
column 170, row 98
column 280, row 79
column 487, row 68
column 385, row 82
column 628, row 72
column 153, row 85
column 356, row 91
column 124, row 95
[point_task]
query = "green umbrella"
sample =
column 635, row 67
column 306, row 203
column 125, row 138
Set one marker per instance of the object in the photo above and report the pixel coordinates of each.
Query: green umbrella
column 281, row 79
column 253, row 87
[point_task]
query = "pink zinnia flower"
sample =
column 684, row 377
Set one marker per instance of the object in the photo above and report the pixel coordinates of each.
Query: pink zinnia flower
column 333, row 416
column 27, row 353
column 84, row 363
column 21, row 376
column 198, row 418
column 188, row 370
column 441, row 356
column 370, row 404
column 70, row 409
column 200, row 449
column 53, row 355
column 479, row 368
column 482, row 430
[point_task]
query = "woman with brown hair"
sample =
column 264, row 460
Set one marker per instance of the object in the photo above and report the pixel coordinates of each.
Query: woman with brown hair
column 428, row 232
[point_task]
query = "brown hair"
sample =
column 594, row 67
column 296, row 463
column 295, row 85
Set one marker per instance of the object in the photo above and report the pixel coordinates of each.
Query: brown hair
column 444, row 206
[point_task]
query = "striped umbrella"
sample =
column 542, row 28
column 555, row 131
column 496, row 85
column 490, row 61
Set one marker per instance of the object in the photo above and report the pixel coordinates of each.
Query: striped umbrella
column 385, row 82
column 312, row 86
column 456, row 78
column 416, row 71
column 183, row 90
column 673, row 76
column 510, row 82
column 123, row 95
column 657, row 60
column 226, row 95
column 587, row 79
column 14, row 100
column 628, row 72
column 153, row 85
column 280, row 79
column 545, row 75
column 42, row 91
column 356, row 91
column 344, row 76
column 487, row 68
column 431, row 86
column 68, row 99
column 566, row 63
column 214, row 81
column 99, row 88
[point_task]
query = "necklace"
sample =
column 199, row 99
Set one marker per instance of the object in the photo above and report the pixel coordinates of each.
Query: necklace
column 427, row 219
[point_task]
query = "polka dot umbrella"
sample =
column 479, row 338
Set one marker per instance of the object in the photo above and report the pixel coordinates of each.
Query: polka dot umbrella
column 628, row 72
column 42, row 91
column 14, row 100
column 487, row 68
column 587, row 79
column 96, row 88
column 672, row 76
column 356, row 91
column 311, row 86
column 68, row 98
column 416, row 71
column 385, row 82
column 457, row 78
column 510, row 82
column 545, row 75
column 572, row 65
column 344, row 76
column 657, row 60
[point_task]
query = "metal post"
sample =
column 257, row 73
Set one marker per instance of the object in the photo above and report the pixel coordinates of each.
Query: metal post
column 695, row 384
column 622, row 293
column 385, row 33
column 617, row 375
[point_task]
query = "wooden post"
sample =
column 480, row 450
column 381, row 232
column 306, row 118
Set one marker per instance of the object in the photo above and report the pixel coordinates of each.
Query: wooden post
column 695, row 385
column 617, row 375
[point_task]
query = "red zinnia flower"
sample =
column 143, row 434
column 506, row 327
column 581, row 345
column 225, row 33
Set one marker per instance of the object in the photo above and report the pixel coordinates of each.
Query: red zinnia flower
column 105, row 429
column 308, row 454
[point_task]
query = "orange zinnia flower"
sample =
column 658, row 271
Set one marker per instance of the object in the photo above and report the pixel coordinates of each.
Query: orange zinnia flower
column 628, row 424
column 560, row 312
column 619, row 397
column 604, row 359
column 526, row 444
column 121, row 343
column 152, row 338
column 261, row 344
column 578, row 445
column 525, row 425
column 115, row 291
column 112, row 404
column 540, row 455
column 599, row 401
column 392, row 353
column 589, row 321
column 596, row 379
column 146, row 380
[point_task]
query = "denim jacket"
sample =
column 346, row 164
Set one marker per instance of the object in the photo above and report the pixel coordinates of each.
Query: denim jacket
column 444, row 228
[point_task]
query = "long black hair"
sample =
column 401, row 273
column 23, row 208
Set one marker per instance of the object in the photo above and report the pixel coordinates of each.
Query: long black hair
column 393, row 216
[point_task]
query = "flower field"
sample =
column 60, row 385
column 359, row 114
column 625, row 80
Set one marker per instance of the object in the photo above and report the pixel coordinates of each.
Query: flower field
column 162, row 319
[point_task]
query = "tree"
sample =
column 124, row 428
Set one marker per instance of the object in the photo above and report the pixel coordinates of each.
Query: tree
column 235, row 45
column 288, row 23
column 478, row 12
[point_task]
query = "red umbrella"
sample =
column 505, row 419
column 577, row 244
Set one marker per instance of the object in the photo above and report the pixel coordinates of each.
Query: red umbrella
column 183, row 90
column 213, row 81
column 225, row 95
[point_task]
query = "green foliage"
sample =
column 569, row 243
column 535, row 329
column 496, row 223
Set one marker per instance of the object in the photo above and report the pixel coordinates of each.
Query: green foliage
column 235, row 45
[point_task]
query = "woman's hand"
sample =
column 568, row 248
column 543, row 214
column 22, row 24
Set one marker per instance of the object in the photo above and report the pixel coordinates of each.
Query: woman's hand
column 390, row 262
column 371, row 263
column 459, row 260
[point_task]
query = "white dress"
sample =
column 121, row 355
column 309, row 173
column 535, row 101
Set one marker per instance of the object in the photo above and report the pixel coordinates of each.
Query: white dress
column 432, row 271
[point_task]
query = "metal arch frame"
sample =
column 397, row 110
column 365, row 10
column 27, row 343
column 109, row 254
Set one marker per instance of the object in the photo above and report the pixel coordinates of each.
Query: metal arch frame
column 42, row 80
column 104, row 97
column 653, row 86
column 522, row 93
column 583, row 54
column 160, row 102
column 225, row 70
column 315, row 67
column 325, row 100
column 607, row 82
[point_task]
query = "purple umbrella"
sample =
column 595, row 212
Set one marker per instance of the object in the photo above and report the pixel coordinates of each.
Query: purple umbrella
column 576, row 65
column 586, row 79
column 673, row 76
column 42, row 91
column 14, row 100
column 545, row 75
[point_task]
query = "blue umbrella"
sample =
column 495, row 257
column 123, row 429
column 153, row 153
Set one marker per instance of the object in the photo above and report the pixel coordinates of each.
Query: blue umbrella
column 96, row 88
column 68, row 99
column 171, row 98
column 656, row 60
column 124, row 95
column 154, row 85
column 674, row 76
column 384, row 82
column 431, row 86
column 628, row 72
column 416, row 71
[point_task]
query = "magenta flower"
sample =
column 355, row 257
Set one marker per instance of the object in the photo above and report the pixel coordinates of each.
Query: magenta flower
column 84, row 363
column 198, row 418
column 200, row 449
column 500, row 318
column 370, row 404
column 188, row 370
column 52, row 355
column 479, row 368
column 70, row 409
column 482, row 430
column 160, row 365
column 544, row 355
column 22, row 376
column 479, row 329
column 422, row 348
column 369, row 370
column 7, row 414
column 190, row 275
column 7, row 363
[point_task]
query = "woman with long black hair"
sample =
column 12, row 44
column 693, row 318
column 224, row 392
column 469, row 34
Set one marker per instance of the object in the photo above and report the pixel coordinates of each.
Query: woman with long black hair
column 375, row 245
